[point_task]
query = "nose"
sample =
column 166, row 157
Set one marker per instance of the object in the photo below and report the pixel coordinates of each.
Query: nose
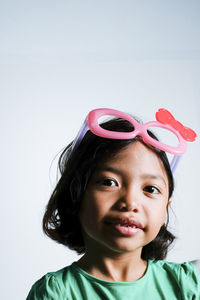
column 129, row 200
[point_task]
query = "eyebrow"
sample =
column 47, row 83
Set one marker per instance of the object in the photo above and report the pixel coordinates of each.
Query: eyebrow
column 152, row 176
column 110, row 169
column 144, row 176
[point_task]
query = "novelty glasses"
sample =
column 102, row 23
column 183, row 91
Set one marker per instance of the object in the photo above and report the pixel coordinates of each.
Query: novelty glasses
column 164, row 120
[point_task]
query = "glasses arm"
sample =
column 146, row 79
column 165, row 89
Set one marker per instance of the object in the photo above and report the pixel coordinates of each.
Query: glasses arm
column 174, row 162
column 84, row 128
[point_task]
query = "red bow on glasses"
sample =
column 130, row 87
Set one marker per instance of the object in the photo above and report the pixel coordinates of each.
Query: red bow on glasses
column 165, row 117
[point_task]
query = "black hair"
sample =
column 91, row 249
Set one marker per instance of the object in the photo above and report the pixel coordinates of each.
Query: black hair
column 61, row 218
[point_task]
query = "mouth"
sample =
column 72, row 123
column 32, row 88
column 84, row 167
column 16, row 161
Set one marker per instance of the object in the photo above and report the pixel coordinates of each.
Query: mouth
column 125, row 226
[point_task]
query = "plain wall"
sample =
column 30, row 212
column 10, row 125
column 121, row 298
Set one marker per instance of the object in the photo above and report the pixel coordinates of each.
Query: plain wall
column 59, row 60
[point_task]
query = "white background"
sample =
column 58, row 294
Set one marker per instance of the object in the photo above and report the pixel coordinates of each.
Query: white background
column 60, row 59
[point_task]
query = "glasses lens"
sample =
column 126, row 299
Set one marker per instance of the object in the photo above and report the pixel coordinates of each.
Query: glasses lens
column 165, row 136
column 112, row 123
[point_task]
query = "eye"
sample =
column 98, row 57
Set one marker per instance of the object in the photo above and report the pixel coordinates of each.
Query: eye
column 109, row 182
column 151, row 189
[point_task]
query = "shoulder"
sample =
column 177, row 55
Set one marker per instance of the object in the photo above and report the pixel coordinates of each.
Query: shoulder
column 50, row 286
column 184, row 268
column 184, row 274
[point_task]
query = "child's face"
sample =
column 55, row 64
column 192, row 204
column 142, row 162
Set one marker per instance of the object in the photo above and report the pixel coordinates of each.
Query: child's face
column 130, row 189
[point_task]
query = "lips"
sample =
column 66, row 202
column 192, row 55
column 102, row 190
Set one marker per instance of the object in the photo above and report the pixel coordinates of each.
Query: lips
column 125, row 222
column 125, row 226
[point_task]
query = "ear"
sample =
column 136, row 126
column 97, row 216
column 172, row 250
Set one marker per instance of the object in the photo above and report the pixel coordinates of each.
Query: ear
column 169, row 203
column 167, row 207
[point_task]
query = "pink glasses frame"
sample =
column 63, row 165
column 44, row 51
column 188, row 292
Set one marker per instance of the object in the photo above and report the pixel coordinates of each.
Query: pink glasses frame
column 91, row 122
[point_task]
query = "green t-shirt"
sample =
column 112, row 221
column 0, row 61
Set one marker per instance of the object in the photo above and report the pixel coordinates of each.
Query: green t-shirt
column 162, row 280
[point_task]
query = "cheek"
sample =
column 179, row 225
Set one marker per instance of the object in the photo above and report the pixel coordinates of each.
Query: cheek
column 157, row 215
column 91, row 215
column 86, row 219
column 92, row 210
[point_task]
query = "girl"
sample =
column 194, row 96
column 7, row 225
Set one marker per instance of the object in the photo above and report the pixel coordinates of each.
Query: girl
column 111, row 205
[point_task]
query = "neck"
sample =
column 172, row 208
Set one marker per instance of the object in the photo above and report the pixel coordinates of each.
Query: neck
column 111, row 266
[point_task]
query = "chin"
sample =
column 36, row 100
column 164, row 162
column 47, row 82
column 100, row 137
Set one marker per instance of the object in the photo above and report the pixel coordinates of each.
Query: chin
column 124, row 247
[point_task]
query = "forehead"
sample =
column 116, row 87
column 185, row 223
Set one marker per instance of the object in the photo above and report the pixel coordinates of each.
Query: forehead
column 136, row 158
